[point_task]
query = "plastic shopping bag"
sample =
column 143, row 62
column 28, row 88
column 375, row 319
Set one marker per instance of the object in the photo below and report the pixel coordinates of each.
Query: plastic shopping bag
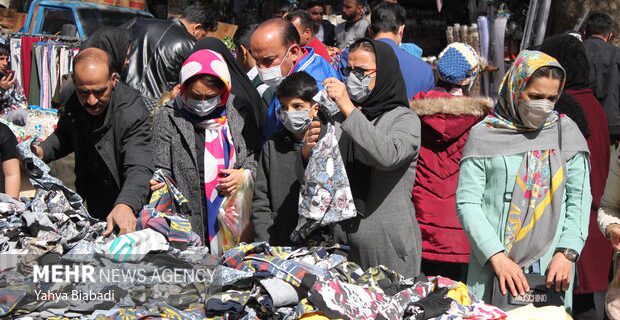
column 234, row 215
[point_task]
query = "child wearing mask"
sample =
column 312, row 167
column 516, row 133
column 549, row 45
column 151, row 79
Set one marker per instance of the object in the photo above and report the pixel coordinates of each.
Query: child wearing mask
column 277, row 189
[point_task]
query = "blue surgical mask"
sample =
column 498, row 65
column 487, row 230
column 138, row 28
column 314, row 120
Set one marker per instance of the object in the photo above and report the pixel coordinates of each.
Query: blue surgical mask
column 202, row 108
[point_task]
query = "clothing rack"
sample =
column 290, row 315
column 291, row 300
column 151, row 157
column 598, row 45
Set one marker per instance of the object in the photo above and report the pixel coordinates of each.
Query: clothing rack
column 42, row 36
column 41, row 64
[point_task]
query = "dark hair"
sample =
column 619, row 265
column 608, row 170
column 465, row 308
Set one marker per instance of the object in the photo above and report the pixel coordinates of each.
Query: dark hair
column 304, row 18
column 211, row 81
column 298, row 85
column 387, row 17
column 196, row 12
column 282, row 6
column 243, row 35
column 313, row 3
column 363, row 45
column 547, row 72
column 4, row 51
column 599, row 23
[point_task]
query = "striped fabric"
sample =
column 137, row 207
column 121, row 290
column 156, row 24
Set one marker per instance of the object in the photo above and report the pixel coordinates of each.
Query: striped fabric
column 166, row 211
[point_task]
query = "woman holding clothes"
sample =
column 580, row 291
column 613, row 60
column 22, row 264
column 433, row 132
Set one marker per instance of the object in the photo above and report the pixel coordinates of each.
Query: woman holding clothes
column 204, row 143
column 379, row 141
column 524, row 188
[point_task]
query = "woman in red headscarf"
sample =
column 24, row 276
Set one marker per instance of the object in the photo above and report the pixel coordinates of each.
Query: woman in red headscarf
column 204, row 143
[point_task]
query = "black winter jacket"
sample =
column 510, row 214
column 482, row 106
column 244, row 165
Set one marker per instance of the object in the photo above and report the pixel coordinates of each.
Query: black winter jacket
column 605, row 79
column 159, row 48
column 114, row 160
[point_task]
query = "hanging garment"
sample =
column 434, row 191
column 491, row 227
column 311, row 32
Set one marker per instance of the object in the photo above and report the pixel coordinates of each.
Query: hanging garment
column 325, row 196
column 16, row 58
column 27, row 61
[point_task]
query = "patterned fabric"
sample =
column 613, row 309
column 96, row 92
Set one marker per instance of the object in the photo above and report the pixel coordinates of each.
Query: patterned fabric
column 516, row 80
column 458, row 63
column 40, row 177
column 165, row 212
column 134, row 246
column 325, row 196
column 260, row 257
column 538, row 193
column 157, row 310
column 12, row 99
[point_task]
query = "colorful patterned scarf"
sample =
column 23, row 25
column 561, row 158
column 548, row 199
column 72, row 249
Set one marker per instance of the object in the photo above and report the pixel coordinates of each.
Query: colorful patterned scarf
column 219, row 155
column 539, row 189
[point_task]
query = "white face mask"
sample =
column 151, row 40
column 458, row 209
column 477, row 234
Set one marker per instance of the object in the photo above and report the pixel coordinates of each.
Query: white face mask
column 534, row 113
column 358, row 89
column 202, row 108
column 272, row 76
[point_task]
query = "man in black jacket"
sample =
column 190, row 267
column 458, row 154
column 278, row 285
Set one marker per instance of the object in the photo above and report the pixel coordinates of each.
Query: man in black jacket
column 604, row 60
column 106, row 124
column 159, row 48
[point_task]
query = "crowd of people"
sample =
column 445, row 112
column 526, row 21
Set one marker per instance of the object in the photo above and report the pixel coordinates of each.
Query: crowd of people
column 443, row 181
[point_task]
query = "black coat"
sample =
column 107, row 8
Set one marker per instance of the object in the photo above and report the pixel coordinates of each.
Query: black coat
column 159, row 48
column 329, row 33
column 114, row 163
column 604, row 61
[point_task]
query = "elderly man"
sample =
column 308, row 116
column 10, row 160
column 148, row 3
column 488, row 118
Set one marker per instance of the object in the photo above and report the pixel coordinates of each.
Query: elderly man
column 275, row 47
column 304, row 25
column 106, row 124
column 355, row 24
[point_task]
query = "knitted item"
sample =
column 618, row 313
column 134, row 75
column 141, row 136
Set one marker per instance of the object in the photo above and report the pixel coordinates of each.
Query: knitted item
column 458, row 64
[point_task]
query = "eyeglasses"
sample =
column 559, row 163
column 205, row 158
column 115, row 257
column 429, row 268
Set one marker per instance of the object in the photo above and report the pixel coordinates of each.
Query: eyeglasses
column 358, row 72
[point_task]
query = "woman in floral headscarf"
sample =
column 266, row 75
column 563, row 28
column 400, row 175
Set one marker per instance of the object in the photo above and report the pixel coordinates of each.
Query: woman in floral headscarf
column 204, row 143
column 524, row 193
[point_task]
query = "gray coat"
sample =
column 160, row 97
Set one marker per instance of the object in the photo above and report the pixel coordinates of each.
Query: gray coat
column 388, row 234
column 175, row 152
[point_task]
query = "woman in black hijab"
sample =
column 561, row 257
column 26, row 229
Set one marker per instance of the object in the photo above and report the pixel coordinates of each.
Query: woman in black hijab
column 242, row 87
column 380, row 144
column 114, row 41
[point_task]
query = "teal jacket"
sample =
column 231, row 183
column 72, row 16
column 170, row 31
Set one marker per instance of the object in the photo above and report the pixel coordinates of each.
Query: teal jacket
column 483, row 198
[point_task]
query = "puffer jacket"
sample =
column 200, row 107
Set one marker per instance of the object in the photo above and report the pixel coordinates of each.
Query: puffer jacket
column 446, row 121
column 159, row 48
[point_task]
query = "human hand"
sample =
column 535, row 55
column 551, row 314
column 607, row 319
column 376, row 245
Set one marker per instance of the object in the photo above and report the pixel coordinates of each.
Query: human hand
column 338, row 92
column 559, row 272
column 37, row 150
column 509, row 274
column 613, row 232
column 310, row 139
column 7, row 81
column 122, row 216
column 231, row 180
column 156, row 185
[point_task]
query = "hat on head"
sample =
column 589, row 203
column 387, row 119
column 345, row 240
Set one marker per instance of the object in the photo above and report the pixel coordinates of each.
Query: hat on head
column 458, row 63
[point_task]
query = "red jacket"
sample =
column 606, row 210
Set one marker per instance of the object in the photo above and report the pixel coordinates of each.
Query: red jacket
column 593, row 265
column 446, row 121
column 320, row 49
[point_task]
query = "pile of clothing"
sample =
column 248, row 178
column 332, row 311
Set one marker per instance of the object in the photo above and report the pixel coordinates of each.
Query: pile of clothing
column 40, row 124
column 161, row 271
